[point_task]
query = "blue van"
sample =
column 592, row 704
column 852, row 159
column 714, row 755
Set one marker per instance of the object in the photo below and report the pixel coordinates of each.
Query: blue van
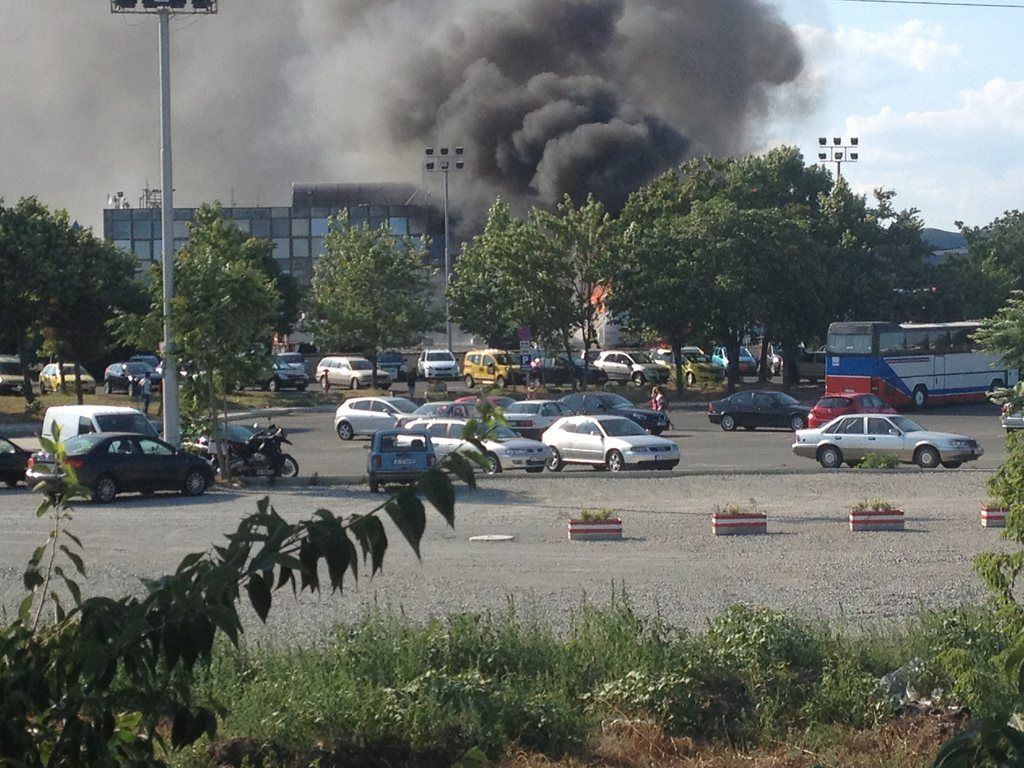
column 398, row 456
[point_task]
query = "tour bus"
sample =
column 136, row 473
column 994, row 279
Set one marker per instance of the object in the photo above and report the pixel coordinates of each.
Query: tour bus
column 912, row 364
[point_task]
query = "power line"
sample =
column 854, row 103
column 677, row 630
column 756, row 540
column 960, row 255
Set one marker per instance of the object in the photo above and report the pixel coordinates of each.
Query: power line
column 938, row 2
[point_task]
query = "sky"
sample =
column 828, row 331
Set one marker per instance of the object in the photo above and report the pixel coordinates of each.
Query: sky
column 270, row 92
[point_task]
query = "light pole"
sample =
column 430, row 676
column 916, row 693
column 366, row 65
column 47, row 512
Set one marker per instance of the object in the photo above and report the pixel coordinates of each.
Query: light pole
column 445, row 160
column 164, row 8
column 838, row 152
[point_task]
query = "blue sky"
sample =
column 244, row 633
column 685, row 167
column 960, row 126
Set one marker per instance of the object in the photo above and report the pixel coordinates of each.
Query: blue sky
column 935, row 95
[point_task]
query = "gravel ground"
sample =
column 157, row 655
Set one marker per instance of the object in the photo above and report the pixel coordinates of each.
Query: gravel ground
column 809, row 563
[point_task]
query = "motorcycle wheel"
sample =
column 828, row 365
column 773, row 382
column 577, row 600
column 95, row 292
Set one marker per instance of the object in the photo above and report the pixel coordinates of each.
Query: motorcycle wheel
column 289, row 466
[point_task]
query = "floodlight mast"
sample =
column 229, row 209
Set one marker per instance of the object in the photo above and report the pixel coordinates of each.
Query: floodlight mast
column 164, row 9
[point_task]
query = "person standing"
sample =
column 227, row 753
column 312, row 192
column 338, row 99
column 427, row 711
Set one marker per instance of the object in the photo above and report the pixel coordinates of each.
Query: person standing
column 147, row 392
column 410, row 380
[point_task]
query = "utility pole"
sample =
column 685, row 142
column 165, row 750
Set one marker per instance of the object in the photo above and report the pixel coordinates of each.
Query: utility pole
column 442, row 162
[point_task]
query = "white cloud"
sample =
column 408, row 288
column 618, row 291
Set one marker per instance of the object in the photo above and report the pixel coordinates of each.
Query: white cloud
column 913, row 44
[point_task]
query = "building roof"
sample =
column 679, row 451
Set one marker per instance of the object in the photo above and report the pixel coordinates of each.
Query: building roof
column 306, row 195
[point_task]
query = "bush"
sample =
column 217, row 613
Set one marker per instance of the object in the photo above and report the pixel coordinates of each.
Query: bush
column 878, row 461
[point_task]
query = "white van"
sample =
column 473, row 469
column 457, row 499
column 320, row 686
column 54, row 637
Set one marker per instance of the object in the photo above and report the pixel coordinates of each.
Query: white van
column 82, row 419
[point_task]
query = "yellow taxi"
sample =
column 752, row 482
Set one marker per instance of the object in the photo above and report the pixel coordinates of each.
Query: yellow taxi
column 491, row 366
column 697, row 366
column 49, row 379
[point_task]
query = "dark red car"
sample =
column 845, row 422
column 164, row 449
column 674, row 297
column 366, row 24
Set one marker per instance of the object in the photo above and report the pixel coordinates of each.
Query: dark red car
column 831, row 406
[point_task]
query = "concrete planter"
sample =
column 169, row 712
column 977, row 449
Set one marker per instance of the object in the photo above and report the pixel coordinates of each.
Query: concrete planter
column 595, row 530
column 876, row 519
column 993, row 517
column 745, row 524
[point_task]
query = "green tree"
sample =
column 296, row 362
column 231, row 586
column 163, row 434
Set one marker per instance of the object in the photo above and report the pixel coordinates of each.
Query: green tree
column 369, row 291
column 999, row 246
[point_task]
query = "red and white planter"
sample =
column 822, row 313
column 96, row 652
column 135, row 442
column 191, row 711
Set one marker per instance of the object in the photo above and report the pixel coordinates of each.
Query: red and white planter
column 876, row 519
column 993, row 517
column 746, row 524
column 595, row 530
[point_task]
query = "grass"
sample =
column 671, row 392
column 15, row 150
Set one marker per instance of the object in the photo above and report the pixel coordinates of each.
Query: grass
column 616, row 686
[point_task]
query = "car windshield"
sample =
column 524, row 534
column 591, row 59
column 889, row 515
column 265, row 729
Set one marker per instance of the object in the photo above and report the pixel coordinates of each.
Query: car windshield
column 69, row 370
column 744, row 352
column 523, row 408
column 440, row 356
column 621, row 428
column 76, row 446
column 403, row 405
column 291, row 358
column 236, row 432
column 139, row 369
column 430, row 409
column 10, row 369
column 697, row 358
column 125, row 422
column 641, row 357
column 389, row 357
column 502, row 433
column 907, row 425
column 610, row 400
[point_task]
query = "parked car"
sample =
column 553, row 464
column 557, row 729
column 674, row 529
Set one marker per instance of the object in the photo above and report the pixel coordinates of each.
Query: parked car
column 614, row 443
column 758, row 408
column 146, row 358
column 365, row 415
column 13, row 460
column 11, row 380
column 393, row 362
column 504, row 449
column 563, row 370
column 747, row 363
column 491, row 366
column 831, row 406
column 117, row 377
column 850, row 438
column 436, row 364
column 293, row 360
column 398, row 456
column 109, row 464
column 636, row 367
column 809, row 363
column 49, row 378
column 73, row 420
column 697, row 367
column 1011, row 419
column 609, row 403
column 283, row 376
column 464, row 409
column 499, row 401
column 351, row 371
column 531, row 417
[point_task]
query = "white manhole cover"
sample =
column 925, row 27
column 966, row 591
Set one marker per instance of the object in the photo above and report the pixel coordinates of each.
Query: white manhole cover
column 493, row 537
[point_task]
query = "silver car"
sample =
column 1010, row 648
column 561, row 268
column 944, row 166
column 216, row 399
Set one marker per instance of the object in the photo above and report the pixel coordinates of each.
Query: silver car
column 505, row 449
column 1011, row 419
column 848, row 439
column 612, row 442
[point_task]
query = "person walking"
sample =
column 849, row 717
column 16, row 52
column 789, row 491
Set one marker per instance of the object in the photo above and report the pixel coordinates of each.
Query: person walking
column 658, row 402
column 410, row 380
column 147, row 392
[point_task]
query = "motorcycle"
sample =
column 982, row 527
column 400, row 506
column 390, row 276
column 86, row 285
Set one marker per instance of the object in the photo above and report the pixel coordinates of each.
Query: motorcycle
column 256, row 455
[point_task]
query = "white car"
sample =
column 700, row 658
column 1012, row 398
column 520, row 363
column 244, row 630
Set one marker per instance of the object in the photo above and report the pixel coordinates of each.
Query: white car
column 438, row 364
column 365, row 415
column 612, row 442
column 636, row 367
column 505, row 449
column 531, row 417
column 850, row 438
column 350, row 371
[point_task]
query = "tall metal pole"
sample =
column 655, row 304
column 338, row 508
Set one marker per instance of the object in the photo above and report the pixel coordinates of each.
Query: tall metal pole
column 447, row 267
column 172, row 421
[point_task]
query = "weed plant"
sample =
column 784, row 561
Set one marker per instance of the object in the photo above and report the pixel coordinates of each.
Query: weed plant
column 506, row 680
column 878, row 461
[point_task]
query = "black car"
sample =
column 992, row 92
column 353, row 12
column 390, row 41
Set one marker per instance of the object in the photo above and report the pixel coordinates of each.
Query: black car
column 13, row 459
column 758, row 408
column 284, row 376
column 11, row 379
column 608, row 403
column 118, row 376
column 393, row 362
column 562, row 369
column 110, row 463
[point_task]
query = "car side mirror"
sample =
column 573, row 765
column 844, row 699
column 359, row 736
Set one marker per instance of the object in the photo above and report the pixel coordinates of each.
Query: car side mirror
column 894, row 432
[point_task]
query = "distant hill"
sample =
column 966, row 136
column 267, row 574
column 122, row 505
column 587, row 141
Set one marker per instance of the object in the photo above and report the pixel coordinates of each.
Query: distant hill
column 941, row 240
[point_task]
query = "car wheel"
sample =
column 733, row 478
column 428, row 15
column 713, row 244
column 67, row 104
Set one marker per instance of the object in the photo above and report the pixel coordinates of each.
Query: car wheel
column 728, row 423
column 195, row 483
column 273, row 385
column 107, row 388
column 469, row 381
column 289, row 466
column 500, row 382
column 614, row 462
column 951, row 464
column 104, row 489
column 691, row 380
column 324, row 383
column 12, row 480
column 639, row 379
column 345, row 431
column 926, row 457
column 830, row 457
column 493, row 464
column 534, row 470
column 354, row 384
column 555, row 463
column 374, row 486
column 797, row 422
column 920, row 396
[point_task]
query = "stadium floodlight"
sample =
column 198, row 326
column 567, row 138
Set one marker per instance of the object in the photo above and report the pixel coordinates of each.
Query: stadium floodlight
column 157, row 6
column 445, row 166
column 839, row 152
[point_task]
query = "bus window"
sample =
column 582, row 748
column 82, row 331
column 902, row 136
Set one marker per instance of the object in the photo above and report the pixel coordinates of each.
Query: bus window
column 938, row 341
column 960, row 340
column 892, row 343
column 849, row 343
column 917, row 342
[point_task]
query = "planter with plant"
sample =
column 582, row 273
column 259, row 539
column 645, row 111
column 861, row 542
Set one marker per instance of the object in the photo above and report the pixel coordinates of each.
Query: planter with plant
column 876, row 515
column 993, row 514
column 595, row 525
column 739, row 520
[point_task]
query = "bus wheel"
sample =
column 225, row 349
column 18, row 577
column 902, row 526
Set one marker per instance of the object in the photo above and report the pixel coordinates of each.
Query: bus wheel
column 920, row 396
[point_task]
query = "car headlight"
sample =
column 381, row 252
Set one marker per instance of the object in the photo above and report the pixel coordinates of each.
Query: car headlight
column 961, row 443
